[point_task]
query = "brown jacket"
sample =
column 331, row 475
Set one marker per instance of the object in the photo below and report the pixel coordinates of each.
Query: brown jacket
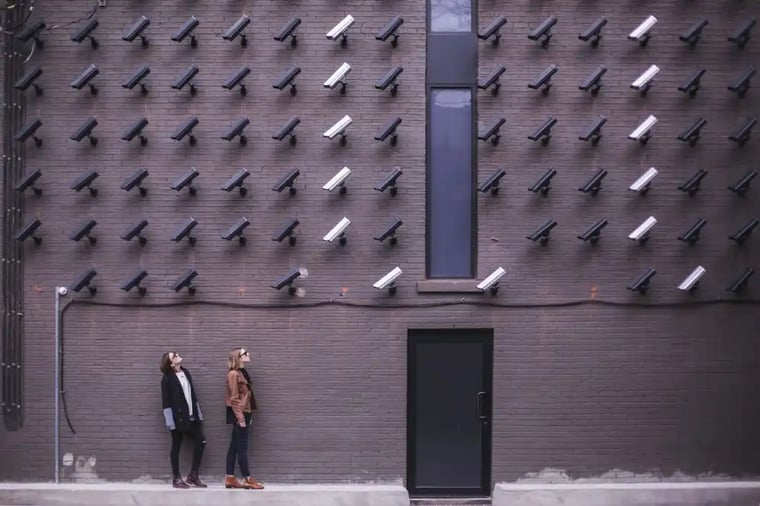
column 239, row 395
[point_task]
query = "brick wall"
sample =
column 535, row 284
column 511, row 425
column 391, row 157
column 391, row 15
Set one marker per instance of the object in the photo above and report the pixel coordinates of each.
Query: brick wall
column 586, row 387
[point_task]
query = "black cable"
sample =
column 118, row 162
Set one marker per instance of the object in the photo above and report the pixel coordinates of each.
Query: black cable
column 61, row 389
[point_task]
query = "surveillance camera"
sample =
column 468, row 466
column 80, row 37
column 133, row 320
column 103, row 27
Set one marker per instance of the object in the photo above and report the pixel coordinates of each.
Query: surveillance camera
column 338, row 231
column 185, row 79
column 692, row 280
column 29, row 78
column 236, row 79
column 543, row 184
column 389, row 181
column 135, row 181
column 186, row 179
column 84, row 280
column 742, row 185
column 29, row 130
column 287, row 79
column 388, row 280
column 541, row 234
column 62, row 291
column 594, row 132
column 390, row 78
column 390, row 29
column 237, row 29
column 544, row 30
column 742, row 34
column 338, row 180
column 28, row 231
column 593, row 32
column 85, row 181
column 286, row 230
column 86, row 32
column 642, row 184
column 32, row 32
column 136, row 78
column 593, row 232
column 691, row 236
column 644, row 81
column 544, row 79
column 136, row 30
column 185, row 281
column 83, row 231
column 691, row 134
column 339, row 128
column 641, row 283
column 643, row 132
column 186, row 129
column 491, row 282
column 641, row 32
column 289, row 31
column 741, row 136
column 287, row 280
column 492, row 183
column 492, row 80
column 135, row 282
column 236, row 230
column 287, row 181
column 135, row 130
column 84, row 79
column 692, row 84
column 185, row 30
column 341, row 29
column 389, row 232
column 641, row 233
column 694, row 33
column 389, row 129
column 136, row 231
column 741, row 282
column 741, row 85
column 287, row 130
column 544, row 132
column 693, row 184
column 741, row 235
column 338, row 77
column 237, row 130
column 492, row 132
column 185, row 230
column 28, row 180
column 236, row 181
column 493, row 30
column 85, row 130
column 594, row 81
column 594, row 184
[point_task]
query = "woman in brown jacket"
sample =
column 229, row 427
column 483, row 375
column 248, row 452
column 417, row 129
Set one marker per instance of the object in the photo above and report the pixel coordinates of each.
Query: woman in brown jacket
column 240, row 404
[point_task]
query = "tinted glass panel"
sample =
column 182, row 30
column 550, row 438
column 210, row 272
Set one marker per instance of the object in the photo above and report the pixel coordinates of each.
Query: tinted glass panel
column 450, row 220
column 450, row 15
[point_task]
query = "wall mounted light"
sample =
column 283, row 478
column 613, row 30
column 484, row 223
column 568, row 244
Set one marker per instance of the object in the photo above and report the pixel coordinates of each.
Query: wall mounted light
column 492, row 182
column 29, row 78
column 691, row 134
column 594, row 231
column 541, row 234
column 338, row 232
column 237, row 30
column 390, row 78
column 692, row 185
column 341, row 30
column 29, row 130
column 136, row 78
column 338, row 181
column 492, row 132
column 338, row 77
column 28, row 230
column 544, row 132
column 740, row 86
column 185, row 281
column 184, row 231
column 389, row 130
column 593, row 82
column 641, row 283
column 236, row 230
column 643, row 83
column 185, row 30
column 289, row 31
column 287, row 281
column 84, row 79
column 390, row 30
column 389, row 181
column 643, row 132
column 543, row 81
column 85, row 130
column 287, row 181
column 742, row 134
column 741, row 235
column 28, row 181
column 691, row 282
column 84, row 280
column 389, row 280
column 186, row 130
column 491, row 282
column 594, row 183
column 742, row 185
column 286, row 130
column 236, row 79
column 642, row 32
column 288, row 79
column 339, row 128
column 135, row 281
column 692, row 84
column 85, row 181
column 643, row 184
column 135, row 181
column 85, row 32
column 543, row 31
column 593, row 32
column 389, row 232
column 594, row 132
column 543, row 185
column 237, row 130
column 236, row 181
column 493, row 29
column 742, row 33
column 641, row 233
column 186, row 180
column 287, row 230
column 136, row 30
column 691, row 235
column 136, row 231
column 492, row 80
column 740, row 283
column 135, row 130
column 186, row 78
column 693, row 34
column 85, row 230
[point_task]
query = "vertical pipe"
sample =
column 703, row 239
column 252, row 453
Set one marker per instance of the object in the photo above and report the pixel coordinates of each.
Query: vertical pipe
column 59, row 290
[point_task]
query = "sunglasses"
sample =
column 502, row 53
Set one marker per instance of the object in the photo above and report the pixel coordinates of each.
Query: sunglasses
column 244, row 354
column 173, row 355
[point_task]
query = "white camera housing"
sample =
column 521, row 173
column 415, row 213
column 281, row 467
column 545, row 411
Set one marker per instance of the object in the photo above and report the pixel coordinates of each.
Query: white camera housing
column 337, row 180
column 643, row 128
column 337, row 76
column 338, row 128
column 646, row 77
column 337, row 230
column 643, row 182
column 641, row 231
column 339, row 29
column 388, row 279
column 642, row 30
column 491, row 280
column 62, row 291
column 692, row 279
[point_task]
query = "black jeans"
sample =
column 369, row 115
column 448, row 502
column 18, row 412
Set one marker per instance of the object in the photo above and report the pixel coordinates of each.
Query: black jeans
column 239, row 447
column 200, row 444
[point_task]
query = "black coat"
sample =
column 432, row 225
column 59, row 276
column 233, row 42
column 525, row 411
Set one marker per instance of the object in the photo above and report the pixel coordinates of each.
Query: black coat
column 176, row 414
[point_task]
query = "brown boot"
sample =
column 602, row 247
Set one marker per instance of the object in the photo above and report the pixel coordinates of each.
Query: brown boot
column 251, row 483
column 178, row 483
column 194, row 481
column 231, row 482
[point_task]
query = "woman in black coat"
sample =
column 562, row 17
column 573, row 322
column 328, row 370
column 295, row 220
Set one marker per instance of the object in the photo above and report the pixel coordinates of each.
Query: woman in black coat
column 182, row 415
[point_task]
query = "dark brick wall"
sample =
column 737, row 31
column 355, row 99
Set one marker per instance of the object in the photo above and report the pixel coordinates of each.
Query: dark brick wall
column 586, row 387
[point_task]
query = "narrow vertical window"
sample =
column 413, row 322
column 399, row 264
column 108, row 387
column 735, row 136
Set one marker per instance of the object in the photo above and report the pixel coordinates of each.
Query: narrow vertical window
column 450, row 15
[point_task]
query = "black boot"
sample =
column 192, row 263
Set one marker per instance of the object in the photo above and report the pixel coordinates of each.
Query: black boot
column 178, row 483
column 194, row 481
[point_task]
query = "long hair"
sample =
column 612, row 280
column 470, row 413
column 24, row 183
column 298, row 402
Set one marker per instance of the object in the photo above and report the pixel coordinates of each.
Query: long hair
column 166, row 363
column 234, row 361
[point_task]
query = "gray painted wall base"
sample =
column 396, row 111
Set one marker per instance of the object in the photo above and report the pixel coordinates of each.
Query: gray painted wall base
column 118, row 494
column 740, row 493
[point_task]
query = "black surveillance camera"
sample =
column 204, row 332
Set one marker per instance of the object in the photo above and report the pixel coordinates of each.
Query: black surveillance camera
column 236, row 181
column 286, row 130
column 29, row 130
column 594, row 132
column 286, row 230
column 28, row 231
column 186, row 179
column 286, row 79
column 594, row 81
column 186, row 129
column 136, row 78
column 32, row 32
column 136, row 231
column 84, row 280
column 86, row 32
column 389, row 129
column 742, row 185
column 492, row 132
column 692, row 186
column 492, row 80
column 543, row 184
column 741, row 235
column 691, row 134
column 185, row 79
column 85, row 130
column 593, row 32
column 492, row 183
column 691, row 236
column 186, row 281
column 742, row 34
column 694, row 33
column 84, row 79
column 236, row 230
column 135, row 130
column 185, row 30
column 135, row 181
column 289, row 31
column 543, row 81
column 390, row 29
column 28, row 180
column 389, row 181
column 136, row 30
column 29, row 78
column 389, row 232
column 236, row 79
column 389, row 79
column 237, row 130
column 287, row 280
column 741, row 136
column 135, row 282
column 741, row 85
column 541, row 234
column 492, row 30
column 184, row 231
column 741, row 282
column 641, row 283
column 83, row 231
column 692, row 84
column 237, row 29
column 593, row 233
column 85, row 181
column 544, row 132
column 594, row 184
column 287, row 181
column 544, row 31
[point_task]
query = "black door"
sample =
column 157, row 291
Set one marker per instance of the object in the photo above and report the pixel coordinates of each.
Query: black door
column 449, row 412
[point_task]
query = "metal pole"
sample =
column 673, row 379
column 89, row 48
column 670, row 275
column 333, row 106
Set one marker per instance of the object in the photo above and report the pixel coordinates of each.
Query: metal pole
column 56, row 394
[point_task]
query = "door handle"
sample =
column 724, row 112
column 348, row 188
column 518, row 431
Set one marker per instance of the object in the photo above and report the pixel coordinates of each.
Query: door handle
column 481, row 397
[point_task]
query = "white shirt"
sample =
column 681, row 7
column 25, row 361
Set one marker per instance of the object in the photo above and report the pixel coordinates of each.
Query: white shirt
column 186, row 389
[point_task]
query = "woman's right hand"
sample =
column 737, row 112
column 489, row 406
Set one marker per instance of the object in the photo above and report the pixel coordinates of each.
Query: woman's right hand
column 241, row 425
